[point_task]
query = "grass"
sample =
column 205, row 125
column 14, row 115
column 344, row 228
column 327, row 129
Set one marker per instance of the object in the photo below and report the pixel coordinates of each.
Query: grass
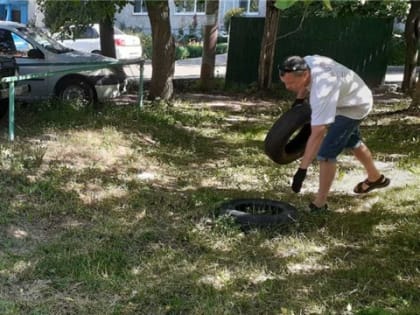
column 113, row 212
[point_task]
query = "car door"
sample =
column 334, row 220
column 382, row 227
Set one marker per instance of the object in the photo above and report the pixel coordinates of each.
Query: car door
column 29, row 64
column 13, row 45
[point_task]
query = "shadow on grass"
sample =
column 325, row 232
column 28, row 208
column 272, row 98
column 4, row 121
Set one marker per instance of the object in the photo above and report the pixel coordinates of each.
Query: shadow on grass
column 159, row 249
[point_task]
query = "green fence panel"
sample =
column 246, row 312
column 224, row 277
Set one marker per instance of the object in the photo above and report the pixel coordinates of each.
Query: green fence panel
column 359, row 43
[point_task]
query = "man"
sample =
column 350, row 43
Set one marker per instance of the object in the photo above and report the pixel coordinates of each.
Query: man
column 339, row 100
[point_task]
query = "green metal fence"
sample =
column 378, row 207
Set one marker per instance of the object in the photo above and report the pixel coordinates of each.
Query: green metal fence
column 359, row 43
column 73, row 67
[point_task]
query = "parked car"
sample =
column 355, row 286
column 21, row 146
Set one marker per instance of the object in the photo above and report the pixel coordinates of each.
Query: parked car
column 9, row 68
column 35, row 52
column 87, row 39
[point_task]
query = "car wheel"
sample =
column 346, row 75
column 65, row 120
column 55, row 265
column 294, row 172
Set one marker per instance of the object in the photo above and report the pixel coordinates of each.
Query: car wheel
column 259, row 212
column 76, row 89
column 286, row 140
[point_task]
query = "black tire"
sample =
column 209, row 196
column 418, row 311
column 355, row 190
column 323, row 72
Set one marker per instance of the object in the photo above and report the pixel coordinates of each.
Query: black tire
column 259, row 212
column 76, row 89
column 286, row 140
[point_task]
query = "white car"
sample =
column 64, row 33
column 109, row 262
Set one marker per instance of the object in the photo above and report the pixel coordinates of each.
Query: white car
column 87, row 39
column 35, row 52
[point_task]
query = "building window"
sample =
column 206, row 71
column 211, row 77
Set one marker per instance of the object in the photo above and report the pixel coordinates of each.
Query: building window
column 249, row 6
column 139, row 7
column 189, row 6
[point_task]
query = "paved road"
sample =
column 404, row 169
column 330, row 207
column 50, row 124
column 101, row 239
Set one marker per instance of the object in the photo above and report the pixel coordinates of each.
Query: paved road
column 190, row 69
column 184, row 69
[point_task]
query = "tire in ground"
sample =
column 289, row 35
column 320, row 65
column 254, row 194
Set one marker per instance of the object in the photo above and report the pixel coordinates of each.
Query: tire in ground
column 286, row 140
column 259, row 212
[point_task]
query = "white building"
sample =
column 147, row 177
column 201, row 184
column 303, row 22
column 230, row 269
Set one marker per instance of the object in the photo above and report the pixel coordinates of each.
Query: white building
column 184, row 13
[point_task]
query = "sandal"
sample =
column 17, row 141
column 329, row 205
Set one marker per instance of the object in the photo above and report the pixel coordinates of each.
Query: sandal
column 314, row 209
column 380, row 183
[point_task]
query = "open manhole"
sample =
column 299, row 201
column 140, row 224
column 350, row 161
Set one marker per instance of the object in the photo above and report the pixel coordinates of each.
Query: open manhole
column 259, row 212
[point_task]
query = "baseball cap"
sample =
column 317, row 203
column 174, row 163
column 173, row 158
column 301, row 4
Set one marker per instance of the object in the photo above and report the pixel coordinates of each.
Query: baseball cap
column 292, row 64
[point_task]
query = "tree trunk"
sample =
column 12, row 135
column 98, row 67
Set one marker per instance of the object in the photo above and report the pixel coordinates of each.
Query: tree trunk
column 163, row 55
column 209, row 44
column 106, row 30
column 415, row 104
column 268, row 44
column 412, row 40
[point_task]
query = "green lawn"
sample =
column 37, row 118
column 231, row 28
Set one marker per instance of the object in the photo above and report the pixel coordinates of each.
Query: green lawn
column 113, row 212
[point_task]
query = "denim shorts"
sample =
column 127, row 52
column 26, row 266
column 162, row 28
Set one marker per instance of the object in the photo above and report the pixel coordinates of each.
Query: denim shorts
column 342, row 134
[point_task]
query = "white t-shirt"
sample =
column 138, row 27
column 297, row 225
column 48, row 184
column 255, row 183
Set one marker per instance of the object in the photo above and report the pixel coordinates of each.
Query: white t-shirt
column 336, row 90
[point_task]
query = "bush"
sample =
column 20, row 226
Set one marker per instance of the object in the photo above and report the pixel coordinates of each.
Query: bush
column 222, row 48
column 195, row 51
column 229, row 14
column 146, row 42
column 222, row 39
column 396, row 51
column 181, row 52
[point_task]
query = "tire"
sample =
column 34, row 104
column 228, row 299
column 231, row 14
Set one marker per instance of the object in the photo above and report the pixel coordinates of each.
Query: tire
column 286, row 140
column 76, row 89
column 259, row 212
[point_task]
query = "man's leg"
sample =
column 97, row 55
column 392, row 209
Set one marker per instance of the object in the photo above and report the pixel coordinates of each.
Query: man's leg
column 326, row 177
column 363, row 154
column 338, row 137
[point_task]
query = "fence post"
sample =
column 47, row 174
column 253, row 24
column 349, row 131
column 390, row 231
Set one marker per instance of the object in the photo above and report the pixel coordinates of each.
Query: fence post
column 11, row 110
column 141, row 91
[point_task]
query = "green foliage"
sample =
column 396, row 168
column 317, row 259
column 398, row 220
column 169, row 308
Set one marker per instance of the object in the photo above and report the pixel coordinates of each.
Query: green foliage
column 194, row 51
column 118, row 216
column 396, row 51
column 386, row 8
column 222, row 48
column 222, row 39
column 147, row 45
column 181, row 52
column 285, row 4
column 229, row 14
column 374, row 311
column 78, row 12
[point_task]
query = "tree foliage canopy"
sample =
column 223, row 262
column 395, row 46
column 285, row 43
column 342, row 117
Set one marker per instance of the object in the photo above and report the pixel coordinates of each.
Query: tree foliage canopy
column 78, row 12
column 384, row 8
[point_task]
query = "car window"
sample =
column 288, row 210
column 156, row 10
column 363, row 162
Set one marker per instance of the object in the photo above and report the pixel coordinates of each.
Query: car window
column 89, row 32
column 118, row 31
column 7, row 45
column 44, row 40
column 22, row 46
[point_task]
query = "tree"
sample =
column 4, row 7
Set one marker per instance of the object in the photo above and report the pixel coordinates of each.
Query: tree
column 412, row 40
column 81, row 13
column 163, row 50
column 268, row 44
column 209, row 44
column 395, row 8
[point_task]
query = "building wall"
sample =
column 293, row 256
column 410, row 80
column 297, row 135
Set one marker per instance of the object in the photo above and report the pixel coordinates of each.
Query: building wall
column 179, row 21
column 35, row 16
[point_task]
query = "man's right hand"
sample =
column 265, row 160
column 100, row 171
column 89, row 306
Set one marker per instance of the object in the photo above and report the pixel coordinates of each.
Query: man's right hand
column 298, row 179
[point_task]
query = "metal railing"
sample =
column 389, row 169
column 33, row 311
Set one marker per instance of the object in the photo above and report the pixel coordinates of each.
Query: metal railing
column 76, row 67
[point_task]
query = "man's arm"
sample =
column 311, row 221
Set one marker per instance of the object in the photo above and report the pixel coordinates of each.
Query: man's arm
column 313, row 144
